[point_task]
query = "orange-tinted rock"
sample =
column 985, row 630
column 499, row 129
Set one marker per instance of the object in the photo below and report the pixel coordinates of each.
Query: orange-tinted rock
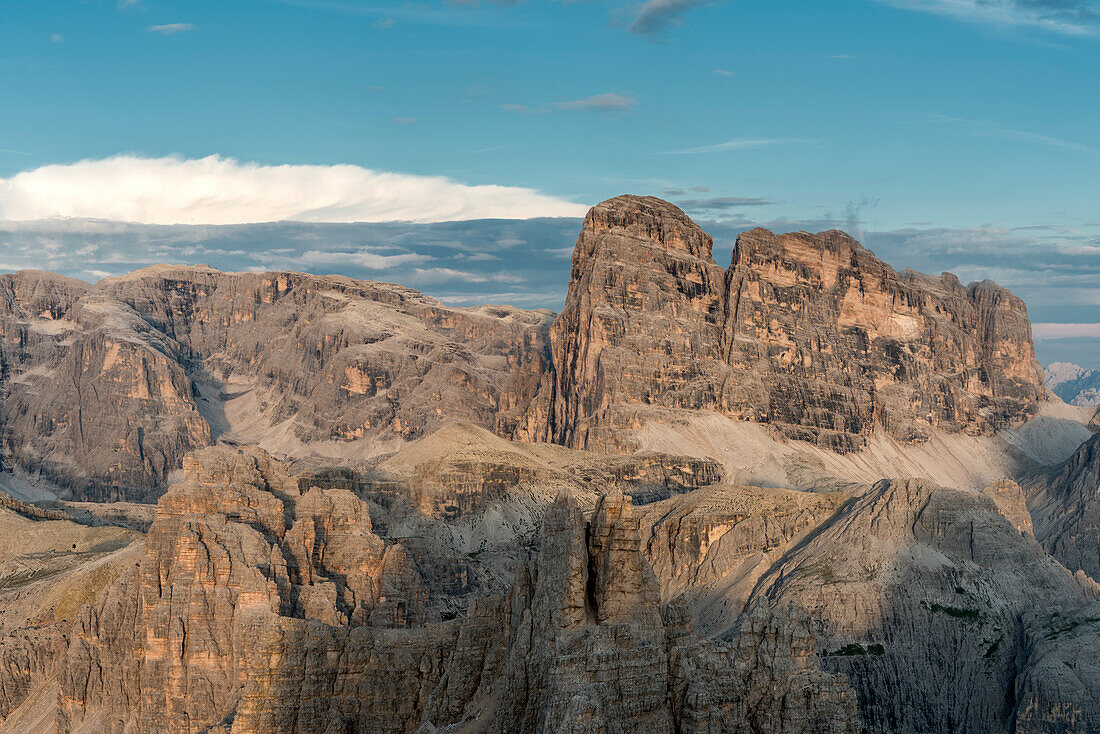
column 811, row 334
column 233, row 548
column 641, row 325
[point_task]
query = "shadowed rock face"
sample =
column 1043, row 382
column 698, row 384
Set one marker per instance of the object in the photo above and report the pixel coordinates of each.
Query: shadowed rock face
column 1058, row 687
column 1065, row 505
column 260, row 608
column 264, row 602
column 919, row 593
column 808, row 333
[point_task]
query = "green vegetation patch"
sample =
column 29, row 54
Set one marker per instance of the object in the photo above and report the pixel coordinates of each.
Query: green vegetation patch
column 950, row 611
column 854, row 648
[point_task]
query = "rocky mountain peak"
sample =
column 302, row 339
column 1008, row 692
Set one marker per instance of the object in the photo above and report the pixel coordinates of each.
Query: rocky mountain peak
column 1073, row 383
column 809, row 249
column 652, row 222
column 810, row 334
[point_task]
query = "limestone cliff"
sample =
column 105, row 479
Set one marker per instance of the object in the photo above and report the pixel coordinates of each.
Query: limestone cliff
column 168, row 647
column 92, row 398
column 1065, row 505
column 589, row 649
column 919, row 594
column 104, row 388
column 260, row 608
column 811, row 334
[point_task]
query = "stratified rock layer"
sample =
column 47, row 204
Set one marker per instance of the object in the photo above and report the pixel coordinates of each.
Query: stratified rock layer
column 168, row 647
column 1059, row 685
column 808, row 333
column 104, row 388
column 588, row 649
column 1065, row 505
column 919, row 593
column 91, row 396
column 260, row 608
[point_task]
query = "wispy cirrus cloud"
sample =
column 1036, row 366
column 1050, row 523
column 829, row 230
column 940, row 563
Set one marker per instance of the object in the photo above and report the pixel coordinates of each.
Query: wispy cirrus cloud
column 994, row 130
column 216, row 190
column 724, row 202
column 1066, row 17
column 653, row 17
column 606, row 102
column 741, row 144
column 171, row 29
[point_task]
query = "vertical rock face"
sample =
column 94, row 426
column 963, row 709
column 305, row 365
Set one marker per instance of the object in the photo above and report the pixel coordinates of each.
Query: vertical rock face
column 1065, row 506
column 258, row 609
column 809, row 333
column 232, row 549
column 91, row 396
column 641, row 325
column 1059, row 684
column 588, row 649
column 919, row 593
column 713, row 544
column 835, row 341
column 1009, row 499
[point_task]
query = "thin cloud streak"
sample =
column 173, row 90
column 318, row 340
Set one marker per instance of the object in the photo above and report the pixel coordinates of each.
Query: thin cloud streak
column 606, row 102
column 724, row 202
column 993, row 130
column 740, row 144
column 171, row 29
column 1064, row 17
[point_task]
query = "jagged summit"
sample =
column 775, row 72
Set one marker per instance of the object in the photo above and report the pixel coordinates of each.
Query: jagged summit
column 808, row 333
column 653, row 221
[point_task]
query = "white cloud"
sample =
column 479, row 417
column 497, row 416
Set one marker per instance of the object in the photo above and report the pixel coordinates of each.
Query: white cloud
column 362, row 259
column 169, row 29
column 217, row 190
column 1068, row 17
column 1065, row 331
column 57, row 38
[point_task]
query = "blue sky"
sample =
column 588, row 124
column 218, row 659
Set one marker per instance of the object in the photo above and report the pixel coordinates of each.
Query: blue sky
column 956, row 121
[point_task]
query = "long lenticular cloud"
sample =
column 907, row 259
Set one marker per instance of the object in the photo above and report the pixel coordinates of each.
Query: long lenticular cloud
column 217, row 190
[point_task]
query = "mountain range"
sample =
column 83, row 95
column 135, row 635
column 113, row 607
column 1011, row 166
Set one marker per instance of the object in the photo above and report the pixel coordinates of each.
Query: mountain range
column 803, row 493
column 1073, row 383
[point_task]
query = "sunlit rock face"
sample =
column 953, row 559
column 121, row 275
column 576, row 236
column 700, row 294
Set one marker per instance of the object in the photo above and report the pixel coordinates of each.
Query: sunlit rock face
column 811, row 334
column 105, row 388
column 259, row 607
column 234, row 548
